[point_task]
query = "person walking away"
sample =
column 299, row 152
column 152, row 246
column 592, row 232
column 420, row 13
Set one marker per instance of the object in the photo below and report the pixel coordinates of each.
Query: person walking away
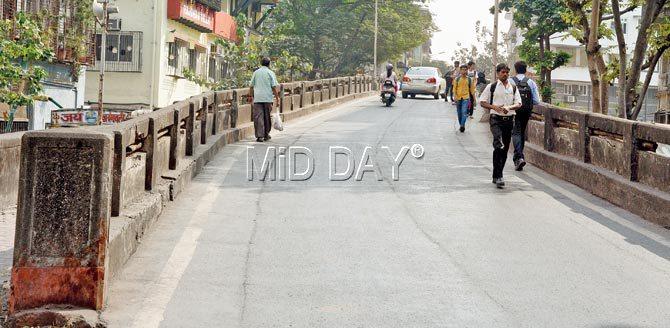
column 472, row 74
column 530, row 96
column 454, row 75
column 503, row 99
column 449, row 94
column 263, row 86
column 464, row 90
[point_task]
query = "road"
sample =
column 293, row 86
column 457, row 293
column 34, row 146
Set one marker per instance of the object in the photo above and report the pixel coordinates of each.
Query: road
column 440, row 247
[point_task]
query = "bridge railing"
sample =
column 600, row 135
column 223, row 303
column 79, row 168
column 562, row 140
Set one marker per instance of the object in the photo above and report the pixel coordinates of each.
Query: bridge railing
column 613, row 158
column 72, row 183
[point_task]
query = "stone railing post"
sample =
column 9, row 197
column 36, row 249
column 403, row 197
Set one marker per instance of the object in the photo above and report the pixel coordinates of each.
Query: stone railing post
column 150, row 144
column 190, row 128
column 584, row 138
column 281, row 98
column 234, row 109
column 549, row 124
column 203, row 120
column 215, row 112
column 630, row 148
column 62, row 224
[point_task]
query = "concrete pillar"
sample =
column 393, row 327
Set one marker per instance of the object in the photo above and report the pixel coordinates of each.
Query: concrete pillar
column 62, row 224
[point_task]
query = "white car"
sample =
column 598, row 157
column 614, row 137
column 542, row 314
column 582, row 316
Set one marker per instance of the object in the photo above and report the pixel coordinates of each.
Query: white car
column 423, row 81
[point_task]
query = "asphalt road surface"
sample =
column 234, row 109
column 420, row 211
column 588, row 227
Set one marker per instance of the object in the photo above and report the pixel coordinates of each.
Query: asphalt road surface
column 440, row 247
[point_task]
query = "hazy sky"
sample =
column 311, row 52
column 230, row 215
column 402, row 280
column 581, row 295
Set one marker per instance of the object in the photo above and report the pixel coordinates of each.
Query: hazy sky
column 456, row 20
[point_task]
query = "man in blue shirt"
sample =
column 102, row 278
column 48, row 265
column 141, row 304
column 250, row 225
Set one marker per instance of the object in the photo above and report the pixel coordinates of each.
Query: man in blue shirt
column 263, row 86
column 530, row 96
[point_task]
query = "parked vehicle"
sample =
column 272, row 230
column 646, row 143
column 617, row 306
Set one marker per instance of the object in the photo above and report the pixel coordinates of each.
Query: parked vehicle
column 423, row 81
column 388, row 93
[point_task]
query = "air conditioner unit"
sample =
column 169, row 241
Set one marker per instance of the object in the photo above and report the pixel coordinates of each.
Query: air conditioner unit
column 571, row 99
column 114, row 24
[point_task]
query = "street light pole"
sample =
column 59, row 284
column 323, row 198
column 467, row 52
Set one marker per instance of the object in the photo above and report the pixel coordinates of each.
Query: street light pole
column 375, row 45
column 495, row 39
column 103, row 51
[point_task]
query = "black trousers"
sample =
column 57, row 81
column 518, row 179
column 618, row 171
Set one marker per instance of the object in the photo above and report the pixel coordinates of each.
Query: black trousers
column 262, row 122
column 519, row 134
column 501, row 128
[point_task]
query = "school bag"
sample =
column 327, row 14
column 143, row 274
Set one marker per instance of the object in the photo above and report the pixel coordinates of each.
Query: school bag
column 526, row 94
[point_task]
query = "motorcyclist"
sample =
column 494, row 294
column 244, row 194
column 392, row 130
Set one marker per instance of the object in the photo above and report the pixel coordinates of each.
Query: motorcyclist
column 390, row 75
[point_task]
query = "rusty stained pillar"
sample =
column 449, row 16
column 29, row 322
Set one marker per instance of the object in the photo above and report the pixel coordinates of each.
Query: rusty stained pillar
column 62, row 224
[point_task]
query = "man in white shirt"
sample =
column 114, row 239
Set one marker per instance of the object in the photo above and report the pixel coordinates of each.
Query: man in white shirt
column 502, row 98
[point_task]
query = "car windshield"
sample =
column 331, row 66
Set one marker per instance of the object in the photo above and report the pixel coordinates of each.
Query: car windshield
column 421, row 71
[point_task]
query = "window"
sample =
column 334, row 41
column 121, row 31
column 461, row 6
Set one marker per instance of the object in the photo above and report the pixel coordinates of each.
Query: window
column 122, row 51
column 583, row 90
column 568, row 89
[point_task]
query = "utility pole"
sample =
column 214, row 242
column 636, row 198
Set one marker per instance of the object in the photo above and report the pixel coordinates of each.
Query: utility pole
column 103, row 51
column 374, row 71
column 495, row 39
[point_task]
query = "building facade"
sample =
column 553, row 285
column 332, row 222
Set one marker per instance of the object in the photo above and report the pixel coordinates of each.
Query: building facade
column 63, row 86
column 151, row 43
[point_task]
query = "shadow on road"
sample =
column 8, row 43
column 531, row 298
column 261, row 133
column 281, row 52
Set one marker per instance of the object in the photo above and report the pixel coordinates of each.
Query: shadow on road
column 631, row 236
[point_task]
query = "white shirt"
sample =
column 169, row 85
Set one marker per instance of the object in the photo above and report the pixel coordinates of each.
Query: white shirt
column 503, row 96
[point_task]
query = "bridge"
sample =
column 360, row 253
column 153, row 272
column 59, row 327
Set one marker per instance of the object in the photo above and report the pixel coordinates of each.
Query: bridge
column 161, row 222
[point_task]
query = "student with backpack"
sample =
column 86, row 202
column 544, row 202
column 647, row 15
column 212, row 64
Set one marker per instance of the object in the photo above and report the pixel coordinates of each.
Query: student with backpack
column 464, row 92
column 474, row 75
column 530, row 96
column 503, row 99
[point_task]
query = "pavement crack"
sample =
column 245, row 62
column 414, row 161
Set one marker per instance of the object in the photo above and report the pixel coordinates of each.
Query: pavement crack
column 247, row 259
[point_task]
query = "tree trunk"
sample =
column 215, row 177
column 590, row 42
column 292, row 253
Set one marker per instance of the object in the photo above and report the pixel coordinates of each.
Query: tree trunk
column 650, row 11
column 604, row 84
column 317, row 56
column 547, row 77
column 621, row 42
column 543, row 69
column 654, row 61
column 595, row 60
column 595, row 83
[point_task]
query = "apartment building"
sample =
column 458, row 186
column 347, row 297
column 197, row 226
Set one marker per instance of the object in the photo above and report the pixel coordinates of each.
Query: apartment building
column 572, row 84
column 151, row 42
column 63, row 86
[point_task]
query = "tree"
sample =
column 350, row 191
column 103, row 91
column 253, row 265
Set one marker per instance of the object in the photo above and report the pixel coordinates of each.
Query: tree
column 483, row 58
column 586, row 18
column 541, row 19
column 244, row 56
column 336, row 37
column 652, row 41
column 21, row 47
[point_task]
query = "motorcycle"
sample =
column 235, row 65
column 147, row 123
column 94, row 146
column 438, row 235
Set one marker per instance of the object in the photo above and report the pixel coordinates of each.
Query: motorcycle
column 388, row 93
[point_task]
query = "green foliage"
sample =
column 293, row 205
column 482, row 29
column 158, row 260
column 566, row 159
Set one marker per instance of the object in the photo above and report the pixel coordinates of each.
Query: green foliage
column 337, row 37
column 21, row 45
column 244, row 56
column 482, row 58
column 74, row 39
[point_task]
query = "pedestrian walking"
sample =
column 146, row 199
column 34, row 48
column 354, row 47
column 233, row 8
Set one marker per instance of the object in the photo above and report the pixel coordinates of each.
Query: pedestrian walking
column 449, row 93
column 464, row 90
column 503, row 99
column 263, row 86
column 472, row 74
column 454, row 75
column 530, row 96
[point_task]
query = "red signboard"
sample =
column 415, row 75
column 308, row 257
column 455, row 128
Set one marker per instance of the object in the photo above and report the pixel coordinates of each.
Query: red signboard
column 225, row 26
column 193, row 14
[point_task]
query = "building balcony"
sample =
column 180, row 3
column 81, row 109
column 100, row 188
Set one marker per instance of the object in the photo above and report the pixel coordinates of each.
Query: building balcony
column 225, row 26
column 192, row 14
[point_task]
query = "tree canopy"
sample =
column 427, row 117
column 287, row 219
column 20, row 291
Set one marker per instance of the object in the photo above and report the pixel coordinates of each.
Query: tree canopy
column 337, row 37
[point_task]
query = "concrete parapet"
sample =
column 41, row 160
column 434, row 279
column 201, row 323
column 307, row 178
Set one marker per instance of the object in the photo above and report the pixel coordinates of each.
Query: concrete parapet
column 612, row 158
column 89, row 195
